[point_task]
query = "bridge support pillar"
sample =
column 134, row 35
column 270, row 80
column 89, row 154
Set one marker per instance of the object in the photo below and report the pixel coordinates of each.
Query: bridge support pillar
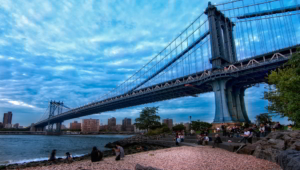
column 32, row 128
column 229, row 101
column 58, row 127
column 222, row 113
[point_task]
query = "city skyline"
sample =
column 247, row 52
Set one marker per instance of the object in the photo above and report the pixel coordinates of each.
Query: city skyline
column 77, row 51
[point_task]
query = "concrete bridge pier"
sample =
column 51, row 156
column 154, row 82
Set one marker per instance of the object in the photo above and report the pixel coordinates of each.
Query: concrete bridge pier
column 58, row 127
column 229, row 101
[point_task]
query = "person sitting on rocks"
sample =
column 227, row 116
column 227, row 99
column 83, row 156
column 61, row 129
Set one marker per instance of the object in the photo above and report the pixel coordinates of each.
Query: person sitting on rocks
column 52, row 155
column 217, row 140
column 96, row 155
column 182, row 137
column 205, row 140
column 246, row 135
column 176, row 139
column 119, row 152
column 69, row 157
column 199, row 139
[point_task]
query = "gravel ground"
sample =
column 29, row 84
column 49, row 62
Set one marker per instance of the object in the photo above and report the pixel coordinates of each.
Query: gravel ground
column 179, row 158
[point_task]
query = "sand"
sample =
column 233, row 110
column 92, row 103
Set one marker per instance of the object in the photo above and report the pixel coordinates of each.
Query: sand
column 177, row 158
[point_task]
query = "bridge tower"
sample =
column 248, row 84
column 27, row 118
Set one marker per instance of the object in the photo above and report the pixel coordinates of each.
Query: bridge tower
column 223, row 48
column 55, row 108
column 229, row 95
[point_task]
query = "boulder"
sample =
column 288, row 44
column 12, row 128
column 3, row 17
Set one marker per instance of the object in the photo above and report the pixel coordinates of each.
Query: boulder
column 296, row 146
column 248, row 150
column 279, row 144
column 110, row 145
column 140, row 167
column 289, row 160
column 269, row 154
column 295, row 135
column 274, row 135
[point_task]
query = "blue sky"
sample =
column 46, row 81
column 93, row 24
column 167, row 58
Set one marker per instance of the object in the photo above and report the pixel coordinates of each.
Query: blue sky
column 75, row 51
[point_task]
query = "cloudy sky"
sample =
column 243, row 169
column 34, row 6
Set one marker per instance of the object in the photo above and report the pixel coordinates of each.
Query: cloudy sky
column 75, row 51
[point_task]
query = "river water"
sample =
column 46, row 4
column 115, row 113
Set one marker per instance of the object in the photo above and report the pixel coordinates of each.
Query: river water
column 27, row 148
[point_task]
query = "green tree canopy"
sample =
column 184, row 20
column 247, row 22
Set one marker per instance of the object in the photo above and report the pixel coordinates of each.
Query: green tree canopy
column 148, row 118
column 284, row 98
column 263, row 118
column 198, row 125
column 178, row 127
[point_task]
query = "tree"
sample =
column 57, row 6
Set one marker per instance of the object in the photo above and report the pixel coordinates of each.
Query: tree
column 198, row 125
column 178, row 127
column 148, row 118
column 263, row 118
column 284, row 98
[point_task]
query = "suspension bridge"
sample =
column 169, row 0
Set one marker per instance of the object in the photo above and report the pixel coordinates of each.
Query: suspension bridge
column 228, row 48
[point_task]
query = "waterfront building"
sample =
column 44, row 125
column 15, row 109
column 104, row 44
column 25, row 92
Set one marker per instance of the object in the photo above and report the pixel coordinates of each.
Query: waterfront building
column 118, row 128
column 111, row 124
column 169, row 123
column 90, row 125
column 103, row 127
column 126, row 125
column 1, row 125
column 75, row 126
column 8, row 126
column 16, row 126
column 7, row 118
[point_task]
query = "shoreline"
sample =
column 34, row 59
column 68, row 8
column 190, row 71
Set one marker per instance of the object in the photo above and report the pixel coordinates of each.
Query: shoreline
column 71, row 133
column 129, row 150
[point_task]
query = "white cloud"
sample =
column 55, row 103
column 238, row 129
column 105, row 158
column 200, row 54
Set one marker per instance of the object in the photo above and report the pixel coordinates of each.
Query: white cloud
column 18, row 103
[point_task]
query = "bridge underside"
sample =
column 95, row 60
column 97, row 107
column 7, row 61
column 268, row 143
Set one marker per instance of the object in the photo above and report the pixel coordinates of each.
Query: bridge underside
column 228, row 85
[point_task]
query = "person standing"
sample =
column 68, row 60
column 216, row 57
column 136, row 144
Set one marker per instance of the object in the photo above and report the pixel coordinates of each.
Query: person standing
column 119, row 152
column 223, row 127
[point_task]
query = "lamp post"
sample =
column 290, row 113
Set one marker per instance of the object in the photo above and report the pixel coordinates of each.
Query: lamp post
column 190, row 123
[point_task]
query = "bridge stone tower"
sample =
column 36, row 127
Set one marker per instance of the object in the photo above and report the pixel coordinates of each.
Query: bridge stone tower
column 229, row 95
column 223, row 49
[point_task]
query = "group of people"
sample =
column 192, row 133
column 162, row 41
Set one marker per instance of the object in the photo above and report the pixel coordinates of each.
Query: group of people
column 96, row 154
column 231, row 131
column 202, row 138
column 52, row 157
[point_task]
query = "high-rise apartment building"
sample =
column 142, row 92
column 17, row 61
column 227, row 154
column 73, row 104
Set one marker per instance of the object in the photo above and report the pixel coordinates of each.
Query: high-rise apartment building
column 75, row 126
column 126, row 122
column 111, row 124
column 7, row 118
column 126, row 125
column 169, row 123
column 90, row 125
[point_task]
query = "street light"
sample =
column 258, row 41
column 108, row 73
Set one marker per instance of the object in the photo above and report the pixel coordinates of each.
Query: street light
column 190, row 123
